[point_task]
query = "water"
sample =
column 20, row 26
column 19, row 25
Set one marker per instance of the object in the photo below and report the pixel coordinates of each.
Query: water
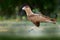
column 22, row 29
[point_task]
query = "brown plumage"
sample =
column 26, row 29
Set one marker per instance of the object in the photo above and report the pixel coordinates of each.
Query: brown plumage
column 35, row 18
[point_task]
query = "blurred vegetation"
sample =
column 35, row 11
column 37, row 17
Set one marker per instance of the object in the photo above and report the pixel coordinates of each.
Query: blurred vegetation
column 12, row 8
column 28, row 38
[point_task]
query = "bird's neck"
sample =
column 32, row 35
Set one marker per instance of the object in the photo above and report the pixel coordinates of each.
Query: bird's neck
column 28, row 12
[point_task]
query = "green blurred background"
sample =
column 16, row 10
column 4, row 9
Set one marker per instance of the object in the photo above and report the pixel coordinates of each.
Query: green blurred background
column 14, row 24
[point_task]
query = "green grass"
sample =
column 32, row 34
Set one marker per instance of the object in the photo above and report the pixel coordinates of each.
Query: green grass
column 28, row 38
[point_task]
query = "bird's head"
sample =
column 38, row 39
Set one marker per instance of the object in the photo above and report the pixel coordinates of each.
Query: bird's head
column 25, row 7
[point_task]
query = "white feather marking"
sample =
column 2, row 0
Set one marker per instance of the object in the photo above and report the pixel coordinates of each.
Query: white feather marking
column 23, row 8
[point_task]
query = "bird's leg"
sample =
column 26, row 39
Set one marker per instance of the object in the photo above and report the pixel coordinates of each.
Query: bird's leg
column 36, row 27
column 32, row 28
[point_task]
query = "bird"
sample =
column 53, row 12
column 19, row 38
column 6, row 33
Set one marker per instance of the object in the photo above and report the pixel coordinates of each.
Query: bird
column 36, row 18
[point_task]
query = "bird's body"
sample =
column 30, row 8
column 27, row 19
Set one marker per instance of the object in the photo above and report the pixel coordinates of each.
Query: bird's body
column 35, row 18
